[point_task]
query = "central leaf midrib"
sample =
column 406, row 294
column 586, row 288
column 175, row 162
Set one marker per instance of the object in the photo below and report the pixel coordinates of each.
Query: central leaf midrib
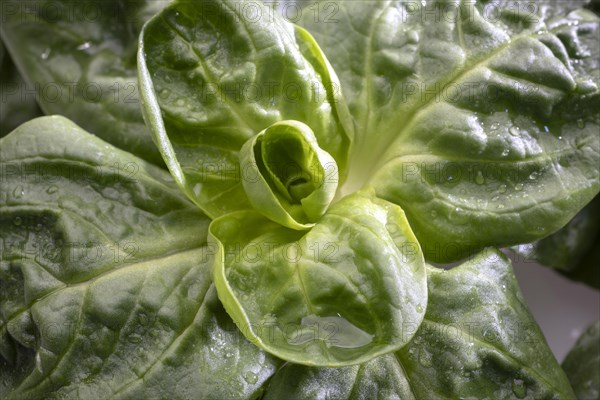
column 90, row 281
column 501, row 353
column 390, row 140
column 237, row 113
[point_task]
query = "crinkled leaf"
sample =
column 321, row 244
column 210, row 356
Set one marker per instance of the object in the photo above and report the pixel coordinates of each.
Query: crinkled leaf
column 211, row 79
column 342, row 293
column 16, row 106
column 582, row 364
column 105, row 282
column 80, row 57
column 289, row 178
column 477, row 341
column 574, row 250
column 467, row 111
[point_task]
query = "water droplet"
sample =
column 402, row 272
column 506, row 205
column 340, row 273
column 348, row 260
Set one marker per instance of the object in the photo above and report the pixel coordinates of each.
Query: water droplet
column 18, row 221
column 134, row 338
column 559, row 137
column 580, row 123
column 519, row 388
column 546, row 129
column 495, row 126
column 514, row 130
column 164, row 93
column 52, row 190
column 229, row 354
column 500, row 206
column 505, row 152
column 519, row 186
column 425, row 358
column 479, row 179
column 18, row 192
column 84, row 46
column 251, row 377
column 533, row 176
column 502, row 189
column 45, row 54
column 180, row 102
column 495, row 198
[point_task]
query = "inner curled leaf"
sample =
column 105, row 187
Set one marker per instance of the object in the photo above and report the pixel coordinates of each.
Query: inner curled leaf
column 288, row 177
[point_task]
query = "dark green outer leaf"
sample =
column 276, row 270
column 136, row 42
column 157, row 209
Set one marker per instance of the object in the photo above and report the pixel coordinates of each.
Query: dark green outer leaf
column 80, row 58
column 480, row 118
column 211, row 79
column 582, row 364
column 15, row 106
column 477, row 341
column 105, row 283
column 574, row 250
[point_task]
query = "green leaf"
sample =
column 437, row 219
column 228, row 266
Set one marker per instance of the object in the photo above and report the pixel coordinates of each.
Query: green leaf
column 105, row 278
column 289, row 179
column 478, row 340
column 211, row 80
column 80, row 57
column 574, row 250
column 15, row 106
column 340, row 294
column 479, row 119
column 582, row 364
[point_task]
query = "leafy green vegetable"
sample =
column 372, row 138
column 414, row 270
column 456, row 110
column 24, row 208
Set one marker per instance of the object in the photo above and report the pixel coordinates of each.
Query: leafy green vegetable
column 289, row 179
column 15, row 106
column 473, row 123
column 105, row 275
column 80, row 57
column 477, row 340
column 479, row 120
column 340, row 294
column 574, row 250
column 210, row 82
column 582, row 364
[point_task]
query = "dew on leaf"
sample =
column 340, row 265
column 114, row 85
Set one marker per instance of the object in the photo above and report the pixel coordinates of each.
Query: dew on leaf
column 514, row 130
column 425, row 358
column 52, row 190
column 519, row 186
column 84, row 46
column 18, row 192
column 479, row 179
column 251, row 377
column 519, row 388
